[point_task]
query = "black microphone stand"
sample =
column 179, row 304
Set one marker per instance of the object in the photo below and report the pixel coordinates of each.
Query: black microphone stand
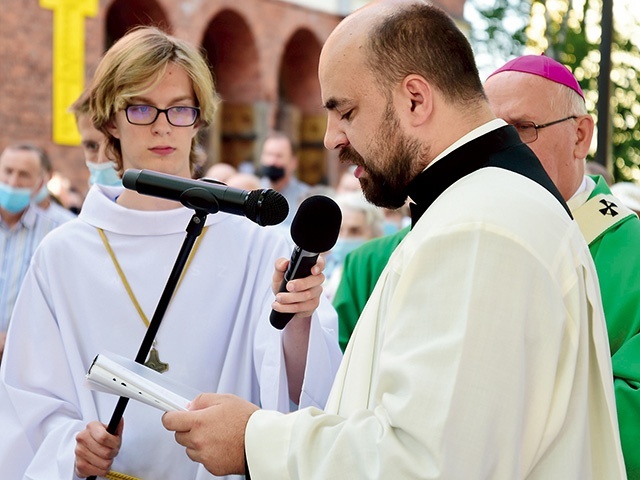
column 194, row 229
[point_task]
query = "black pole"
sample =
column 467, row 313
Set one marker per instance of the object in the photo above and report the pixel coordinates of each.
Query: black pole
column 194, row 229
column 604, row 85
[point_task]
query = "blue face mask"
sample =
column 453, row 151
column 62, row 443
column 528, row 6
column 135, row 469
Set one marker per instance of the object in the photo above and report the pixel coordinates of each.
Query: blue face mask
column 103, row 174
column 41, row 195
column 389, row 227
column 13, row 199
column 339, row 252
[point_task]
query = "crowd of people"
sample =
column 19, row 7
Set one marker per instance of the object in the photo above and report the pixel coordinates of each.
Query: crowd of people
column 478, row 317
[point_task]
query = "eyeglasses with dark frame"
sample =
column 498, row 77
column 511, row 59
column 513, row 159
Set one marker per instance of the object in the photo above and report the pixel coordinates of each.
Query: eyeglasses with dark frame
column 528, row 131
column 178, row 116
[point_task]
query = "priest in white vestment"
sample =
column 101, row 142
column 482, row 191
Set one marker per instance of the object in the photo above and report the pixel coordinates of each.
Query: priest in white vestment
column 482, row 353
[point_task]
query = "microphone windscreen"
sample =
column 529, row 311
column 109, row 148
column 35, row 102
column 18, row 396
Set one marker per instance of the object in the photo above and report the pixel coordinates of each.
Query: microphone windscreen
column 266, row 207
column 316, row 225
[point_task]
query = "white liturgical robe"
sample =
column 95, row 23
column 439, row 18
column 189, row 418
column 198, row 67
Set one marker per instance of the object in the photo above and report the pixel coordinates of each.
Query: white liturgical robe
column 215, row 336
column 482, row 354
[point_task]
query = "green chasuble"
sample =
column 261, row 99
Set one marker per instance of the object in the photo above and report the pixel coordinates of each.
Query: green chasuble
column 360, row 272
column 616, row 254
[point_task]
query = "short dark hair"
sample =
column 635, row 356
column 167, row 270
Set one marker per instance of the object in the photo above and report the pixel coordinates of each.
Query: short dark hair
column 45, row 161
column 422, row 39
column 279, row 134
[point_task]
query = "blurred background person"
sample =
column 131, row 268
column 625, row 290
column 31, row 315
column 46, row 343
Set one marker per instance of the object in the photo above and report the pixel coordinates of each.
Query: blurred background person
column 361, row 221
column 594, row 168
column 279, row 163
column 247, row 166
column 629, row 194
column 22, row 223
column 361, row 266
column 319, row 189
column 360, row 272
column 102, row 170
column 220, row 171
column 62, row 190
column 244, row 181
column 348, row 182
column 46, row 200
column 395, row 219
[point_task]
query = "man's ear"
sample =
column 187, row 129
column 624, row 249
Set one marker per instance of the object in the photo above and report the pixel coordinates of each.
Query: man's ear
column 44, row 179
column 417, row 96
column 584, row 133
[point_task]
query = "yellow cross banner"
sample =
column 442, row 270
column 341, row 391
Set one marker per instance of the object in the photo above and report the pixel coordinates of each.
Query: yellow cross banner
column 68, row 62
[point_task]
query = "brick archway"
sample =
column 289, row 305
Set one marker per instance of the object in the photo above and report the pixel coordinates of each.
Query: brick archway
column 300, row 111
column 299, row 72
column 123, row 15
column 233, row 55
column 232, row 52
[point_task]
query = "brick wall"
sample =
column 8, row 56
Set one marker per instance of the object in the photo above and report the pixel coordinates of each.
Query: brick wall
column 259, row 33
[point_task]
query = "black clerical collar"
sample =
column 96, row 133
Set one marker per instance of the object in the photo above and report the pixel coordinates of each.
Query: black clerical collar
column 499, row 148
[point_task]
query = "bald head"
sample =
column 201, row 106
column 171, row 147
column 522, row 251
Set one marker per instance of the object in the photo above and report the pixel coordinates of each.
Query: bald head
column 396, row 38
column 220, row 171
column 345, row 46
column 360, row 22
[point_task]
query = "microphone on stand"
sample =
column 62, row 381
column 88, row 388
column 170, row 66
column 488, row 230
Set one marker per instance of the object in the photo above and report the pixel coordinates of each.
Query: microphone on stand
column 314, row 230
column 263, row 206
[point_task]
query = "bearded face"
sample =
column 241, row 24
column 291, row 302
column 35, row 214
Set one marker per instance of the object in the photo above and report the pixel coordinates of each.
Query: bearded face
column 391, row 163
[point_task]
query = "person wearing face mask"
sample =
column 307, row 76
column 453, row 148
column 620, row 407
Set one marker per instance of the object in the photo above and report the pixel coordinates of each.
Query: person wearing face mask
column 102, row 170
column 279, row 163
column 103, row 174
column 23, row 224
column 46, row 201
column 361, row 221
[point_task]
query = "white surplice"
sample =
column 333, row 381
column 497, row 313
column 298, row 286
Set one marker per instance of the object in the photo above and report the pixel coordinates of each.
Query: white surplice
column 215, row 336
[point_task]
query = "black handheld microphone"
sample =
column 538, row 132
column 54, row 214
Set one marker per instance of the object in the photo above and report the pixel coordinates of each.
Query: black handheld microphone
column 263, row 206
column 314, row 230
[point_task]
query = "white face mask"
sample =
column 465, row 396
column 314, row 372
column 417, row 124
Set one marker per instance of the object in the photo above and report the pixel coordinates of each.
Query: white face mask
column 103, row 174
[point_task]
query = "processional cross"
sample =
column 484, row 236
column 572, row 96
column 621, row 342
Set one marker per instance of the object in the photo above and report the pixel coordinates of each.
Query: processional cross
column 68, row 62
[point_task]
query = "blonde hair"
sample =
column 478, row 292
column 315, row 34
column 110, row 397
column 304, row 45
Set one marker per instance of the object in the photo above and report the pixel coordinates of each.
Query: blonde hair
column 133, row 66
column 82, row 104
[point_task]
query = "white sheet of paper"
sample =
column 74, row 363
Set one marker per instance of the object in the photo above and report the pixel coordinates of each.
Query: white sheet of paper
column 111, row 373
